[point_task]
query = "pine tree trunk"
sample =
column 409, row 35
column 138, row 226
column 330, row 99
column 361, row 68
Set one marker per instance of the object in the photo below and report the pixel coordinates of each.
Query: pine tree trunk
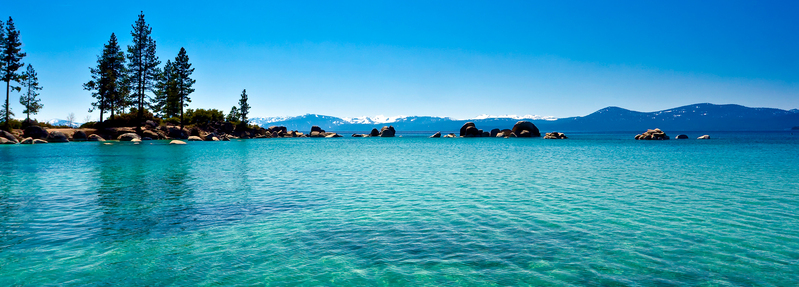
column 181, row 112
column 8, row 87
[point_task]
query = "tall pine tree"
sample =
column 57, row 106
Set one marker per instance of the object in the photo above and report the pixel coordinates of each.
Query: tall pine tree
column 12, row 60
column 109, row 84
column 184, row 82
column 142, row 64
column 244, row 107
column 28, row 100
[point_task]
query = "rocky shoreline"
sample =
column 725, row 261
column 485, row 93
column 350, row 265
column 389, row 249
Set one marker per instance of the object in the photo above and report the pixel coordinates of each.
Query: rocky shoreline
column 225, row 131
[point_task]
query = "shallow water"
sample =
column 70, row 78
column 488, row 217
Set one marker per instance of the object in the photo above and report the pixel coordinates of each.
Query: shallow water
column 592, row 210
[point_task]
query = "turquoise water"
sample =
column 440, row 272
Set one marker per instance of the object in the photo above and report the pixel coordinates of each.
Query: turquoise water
column 591, row 210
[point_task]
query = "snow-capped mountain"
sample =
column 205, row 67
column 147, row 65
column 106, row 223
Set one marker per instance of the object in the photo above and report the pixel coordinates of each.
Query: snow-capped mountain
column 697, row 117
column 60, row 122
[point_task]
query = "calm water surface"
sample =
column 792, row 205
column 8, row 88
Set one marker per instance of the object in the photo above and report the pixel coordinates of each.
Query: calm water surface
column 591, row 210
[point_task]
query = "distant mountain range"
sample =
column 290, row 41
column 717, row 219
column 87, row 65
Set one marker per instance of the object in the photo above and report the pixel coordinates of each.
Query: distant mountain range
column 697, row 117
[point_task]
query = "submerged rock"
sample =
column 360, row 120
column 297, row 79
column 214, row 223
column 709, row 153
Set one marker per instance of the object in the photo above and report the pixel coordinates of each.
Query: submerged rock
column 704, row 137
column 655, row 134
column 681, row 137
column 436, row 135
column 451, row 135
column 177, row 142
column 6, row 141
column 195, row 139
column 525, row 129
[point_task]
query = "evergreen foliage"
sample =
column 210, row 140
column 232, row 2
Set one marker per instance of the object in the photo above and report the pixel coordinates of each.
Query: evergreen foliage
column 166, row 102
column 109, row 84
column 142, row 64
column 184, row 82
column 244, row 107
column 29, row 99
column 234, row 115
column 11, row 59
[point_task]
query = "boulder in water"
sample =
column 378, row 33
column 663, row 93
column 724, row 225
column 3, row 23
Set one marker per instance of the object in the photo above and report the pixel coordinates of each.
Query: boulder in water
column 655, row 134
column 494, row 133
column 704, row 137
column 195, row 139
column 465, row 128
column 57, row 137
column 6, row 141
column 128, row 137
column 79, row 136
column 681, row 137
column 387, row 132
column 521, row 126
column 96, row 138
column 555, row 135
column 436, row 135
column 177, row 142
column 374, row 133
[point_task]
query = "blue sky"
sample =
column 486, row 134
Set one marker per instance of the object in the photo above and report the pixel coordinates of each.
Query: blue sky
column 443, row 58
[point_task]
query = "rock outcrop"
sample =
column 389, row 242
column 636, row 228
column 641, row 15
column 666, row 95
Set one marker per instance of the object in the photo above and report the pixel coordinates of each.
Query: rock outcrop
column 177, row 142
column 704, row 137
column 195, row 139
column 436, row 135
column 126, row 137
column 494, row 133
column 6, row 141
column 150, row 134
column 35, row 132
column 176, row 132
column 95, row 138
column 451, row 135
column 10, row 138
column 374, row 133
column 655, row 134
column 387, row 132
column 555, row 135
column 57, row 137
column 465, row 128
column 525, row 129
column 681, row 137
column 33, row 141
column 505, row 133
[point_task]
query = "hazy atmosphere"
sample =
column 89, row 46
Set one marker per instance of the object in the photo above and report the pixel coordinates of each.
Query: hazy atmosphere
column 458, row 59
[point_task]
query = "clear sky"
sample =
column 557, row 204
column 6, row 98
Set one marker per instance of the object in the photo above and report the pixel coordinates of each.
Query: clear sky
column 441, row 58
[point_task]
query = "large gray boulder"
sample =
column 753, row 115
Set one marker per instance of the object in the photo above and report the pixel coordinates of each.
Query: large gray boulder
column 7, row 135
column 176, row 132
column 521, row 126
column 387, row 132
column 6, row 141
column 494, row 133
column 128, row 137
column 150, row 134
column 79, row 136
column 57, row 137
column 655, row 134
column 35, row 132
column 95, row 138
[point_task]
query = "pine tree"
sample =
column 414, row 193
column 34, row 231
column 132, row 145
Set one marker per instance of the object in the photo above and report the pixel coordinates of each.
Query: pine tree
column 109, row 84
column 165, row 102
column 142, row 64
column 12, row 60
column 244, row 107
column 184, row 82
column 29, row 100
column 233, row 116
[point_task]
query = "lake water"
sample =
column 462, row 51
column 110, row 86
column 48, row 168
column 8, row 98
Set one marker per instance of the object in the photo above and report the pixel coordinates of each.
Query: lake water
column 596, row 209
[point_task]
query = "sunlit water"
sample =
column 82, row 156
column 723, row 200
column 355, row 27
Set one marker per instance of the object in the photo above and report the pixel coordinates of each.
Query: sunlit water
column 590, row 210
